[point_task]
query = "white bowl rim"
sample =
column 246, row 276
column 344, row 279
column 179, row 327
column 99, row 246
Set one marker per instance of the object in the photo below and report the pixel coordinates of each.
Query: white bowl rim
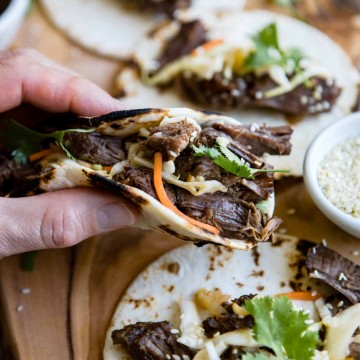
column 345, row 221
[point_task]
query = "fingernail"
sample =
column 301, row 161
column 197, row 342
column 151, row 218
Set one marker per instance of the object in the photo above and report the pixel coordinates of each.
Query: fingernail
column 113, row 216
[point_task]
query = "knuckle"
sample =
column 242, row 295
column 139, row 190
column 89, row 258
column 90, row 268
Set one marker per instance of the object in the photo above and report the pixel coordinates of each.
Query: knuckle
column 18, row 56
column 60, row 229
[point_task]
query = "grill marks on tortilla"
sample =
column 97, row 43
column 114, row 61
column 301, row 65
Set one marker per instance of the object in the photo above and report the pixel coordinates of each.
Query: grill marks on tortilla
column 335, row 270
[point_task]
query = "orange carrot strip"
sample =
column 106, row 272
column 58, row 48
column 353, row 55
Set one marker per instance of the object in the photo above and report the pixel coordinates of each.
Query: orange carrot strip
column 164, row 199
column 207, row 46
column 301, row 295
column 107, row 168
column 40, row 154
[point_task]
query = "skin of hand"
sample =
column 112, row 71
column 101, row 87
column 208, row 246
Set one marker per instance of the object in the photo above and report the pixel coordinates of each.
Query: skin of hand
column 62, row 218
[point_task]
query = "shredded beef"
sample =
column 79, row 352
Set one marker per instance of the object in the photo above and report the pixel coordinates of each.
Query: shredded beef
column 355, row 351
column 260, row 140
column 236, row 218
column 7, row 168
column 170, row 139
column 248, row 90
column 95, row 148
column 335, row 270
column 225, row 323
column 238, row 301
column 150, row 341
column 164, row 6
column 143, row 179
column 190, row 36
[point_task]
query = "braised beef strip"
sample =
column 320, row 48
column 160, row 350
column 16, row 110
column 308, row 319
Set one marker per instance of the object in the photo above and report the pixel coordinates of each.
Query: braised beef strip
column 335, row 270
column 248, row 91
column 190, row 35
column 162, row 6
column 95, row 148
column 151, row 341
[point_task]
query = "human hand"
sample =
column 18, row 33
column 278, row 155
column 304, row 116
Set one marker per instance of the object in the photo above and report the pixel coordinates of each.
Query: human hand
column 66, row 217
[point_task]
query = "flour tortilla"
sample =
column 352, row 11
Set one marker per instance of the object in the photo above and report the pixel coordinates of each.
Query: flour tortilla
column 234, row 273
column 236, row 28
column 67, row 173
column 106, row 27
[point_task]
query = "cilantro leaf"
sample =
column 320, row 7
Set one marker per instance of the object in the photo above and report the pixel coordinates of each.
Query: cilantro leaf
column 22, row 141
column 281, row 328
column 268, row 52
column 229, row 161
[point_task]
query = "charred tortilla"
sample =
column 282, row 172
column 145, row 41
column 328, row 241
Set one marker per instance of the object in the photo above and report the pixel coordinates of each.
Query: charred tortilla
column 178, row 304
column 100, row 25
column 339, row 87
column 196, row 175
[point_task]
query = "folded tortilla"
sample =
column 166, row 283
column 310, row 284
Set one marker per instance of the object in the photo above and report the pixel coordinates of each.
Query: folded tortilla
column 116, row 152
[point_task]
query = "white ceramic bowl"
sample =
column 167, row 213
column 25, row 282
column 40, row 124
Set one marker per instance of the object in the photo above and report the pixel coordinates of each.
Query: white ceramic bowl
column 11, row 20
column 336, row 133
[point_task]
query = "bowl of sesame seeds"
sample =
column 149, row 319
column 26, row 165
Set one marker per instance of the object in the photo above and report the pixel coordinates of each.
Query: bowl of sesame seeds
column 332, row 173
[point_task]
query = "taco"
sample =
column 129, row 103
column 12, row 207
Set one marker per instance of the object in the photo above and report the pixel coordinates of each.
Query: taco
column 245, row 63
column 215, row 303
column 195, row 175
column 117, row 26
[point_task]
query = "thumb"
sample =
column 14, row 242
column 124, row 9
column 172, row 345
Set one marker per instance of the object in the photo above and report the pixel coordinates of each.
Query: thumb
column 60, row 219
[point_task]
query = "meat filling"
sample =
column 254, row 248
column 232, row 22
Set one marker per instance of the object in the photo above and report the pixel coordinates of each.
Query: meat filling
column 248, row 91
column 151, row 341
column 162, row 6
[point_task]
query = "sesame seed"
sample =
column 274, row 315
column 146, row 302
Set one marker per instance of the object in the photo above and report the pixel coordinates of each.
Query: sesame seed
column 25, row 291
column 235, row 92
column 234, row 351
column 259, row 95
column 181, row 316
column 254, row 127
column 324, row 242
column 186, row 357
column 340, row 304
column 168, row 356
column 319, row 107
column 217, row 334
column 176, row 357
column 329, row 306
column 20, row 308
column 314, row 293
column 326, row 105
column 304, row 99
column 342, row 277
column 174, row 331
column 329, row 82
column 309, row 321
column 291, row 211
column 317, row 95
column 355, row 253
column 283, row 231
column 314, row 250
column 316, row 273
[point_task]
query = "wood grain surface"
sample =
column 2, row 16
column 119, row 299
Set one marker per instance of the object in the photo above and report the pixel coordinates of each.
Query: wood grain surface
column 73, row 292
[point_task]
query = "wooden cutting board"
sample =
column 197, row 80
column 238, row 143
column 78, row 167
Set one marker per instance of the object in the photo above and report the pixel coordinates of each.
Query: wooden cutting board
column 73, row 292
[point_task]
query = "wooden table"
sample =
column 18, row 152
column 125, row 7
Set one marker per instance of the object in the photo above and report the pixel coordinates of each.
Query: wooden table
column 73, row 292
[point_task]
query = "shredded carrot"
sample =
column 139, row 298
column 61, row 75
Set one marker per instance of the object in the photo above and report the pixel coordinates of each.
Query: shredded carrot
column 164, row 199
column 107, row 168
column 40, row 154
column 302, row 295
column 207, row 46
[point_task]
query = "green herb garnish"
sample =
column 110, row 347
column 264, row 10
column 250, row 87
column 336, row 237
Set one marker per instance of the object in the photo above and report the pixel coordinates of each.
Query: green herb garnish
column 229, row 161
column 22, row 141
column 27, row 261
column 268, row 52
column 281, row 328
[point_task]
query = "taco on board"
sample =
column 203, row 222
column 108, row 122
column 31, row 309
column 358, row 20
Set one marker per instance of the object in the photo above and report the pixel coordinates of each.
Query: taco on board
column 196, row 175
column 291, row 299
